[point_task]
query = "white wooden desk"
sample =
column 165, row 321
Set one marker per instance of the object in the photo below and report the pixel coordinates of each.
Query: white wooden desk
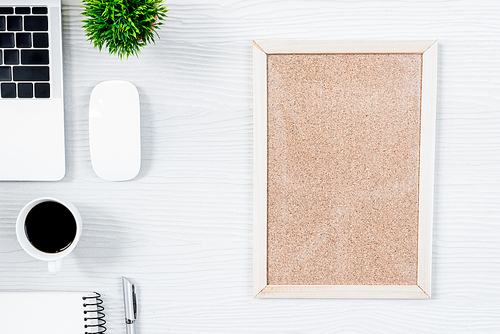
column 182, row 230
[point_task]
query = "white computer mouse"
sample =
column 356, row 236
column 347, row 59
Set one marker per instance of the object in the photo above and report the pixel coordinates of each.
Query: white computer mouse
column 115, row 130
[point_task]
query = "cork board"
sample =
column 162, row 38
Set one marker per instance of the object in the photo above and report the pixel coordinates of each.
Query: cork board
column 343, row 136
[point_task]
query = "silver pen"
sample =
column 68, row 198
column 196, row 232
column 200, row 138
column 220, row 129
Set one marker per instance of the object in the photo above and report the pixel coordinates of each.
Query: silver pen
column 130, row 302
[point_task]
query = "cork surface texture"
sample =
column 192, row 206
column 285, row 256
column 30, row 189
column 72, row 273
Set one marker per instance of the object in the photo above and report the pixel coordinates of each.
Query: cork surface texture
column 343, row 168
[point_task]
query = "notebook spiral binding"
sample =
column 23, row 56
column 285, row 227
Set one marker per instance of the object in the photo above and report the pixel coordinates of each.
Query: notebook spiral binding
column 96, row 318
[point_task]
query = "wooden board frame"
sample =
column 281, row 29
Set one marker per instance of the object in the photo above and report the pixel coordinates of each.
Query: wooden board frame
column 421, row 290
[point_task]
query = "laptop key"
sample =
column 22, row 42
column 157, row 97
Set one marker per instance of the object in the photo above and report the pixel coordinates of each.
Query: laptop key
column 2, row 23
column 8, row 90
column 23, row 40
column 40, row 40
column 42, row 90
column 39, row 10
column 25, row 90
column 6, row 10
column 36, row 23
column 31, row 73
column 22, row 10
column 35, row 57
column 14, row 23
column 11, row 57
column 5, row 73
column 6, row 40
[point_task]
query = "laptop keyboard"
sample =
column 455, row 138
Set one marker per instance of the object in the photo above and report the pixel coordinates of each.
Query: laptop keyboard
column 24, row 53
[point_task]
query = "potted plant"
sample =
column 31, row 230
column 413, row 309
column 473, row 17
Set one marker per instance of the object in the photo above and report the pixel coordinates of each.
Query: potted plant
column 123, row 26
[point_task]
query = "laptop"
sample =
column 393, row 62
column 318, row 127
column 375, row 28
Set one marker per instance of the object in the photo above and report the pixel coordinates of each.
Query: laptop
column 31, row 91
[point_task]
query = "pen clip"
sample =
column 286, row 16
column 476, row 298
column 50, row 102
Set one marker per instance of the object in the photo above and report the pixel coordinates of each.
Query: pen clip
column 129, row 300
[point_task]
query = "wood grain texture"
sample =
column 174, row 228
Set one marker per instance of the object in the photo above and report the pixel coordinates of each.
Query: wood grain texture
column 183, row 229
column 339, row 46
column 259, row 169
column 427, row 161
column 344, row 291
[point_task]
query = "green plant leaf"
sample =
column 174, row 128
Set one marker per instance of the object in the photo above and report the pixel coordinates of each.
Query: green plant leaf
column 123, row 26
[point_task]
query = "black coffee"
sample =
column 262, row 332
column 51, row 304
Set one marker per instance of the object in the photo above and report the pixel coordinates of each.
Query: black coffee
column 50, row 227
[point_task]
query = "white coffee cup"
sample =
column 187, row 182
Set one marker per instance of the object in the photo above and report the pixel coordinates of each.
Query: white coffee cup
column 54, row 259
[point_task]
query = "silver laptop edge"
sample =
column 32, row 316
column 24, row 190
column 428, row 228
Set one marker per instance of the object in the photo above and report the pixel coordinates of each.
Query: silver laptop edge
column 32, row 130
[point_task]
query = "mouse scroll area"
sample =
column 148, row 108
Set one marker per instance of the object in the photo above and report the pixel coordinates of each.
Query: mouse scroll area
column 114, row 130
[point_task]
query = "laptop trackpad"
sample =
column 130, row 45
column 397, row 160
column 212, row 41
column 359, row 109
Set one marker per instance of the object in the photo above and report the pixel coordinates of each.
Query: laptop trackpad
column 32, row 140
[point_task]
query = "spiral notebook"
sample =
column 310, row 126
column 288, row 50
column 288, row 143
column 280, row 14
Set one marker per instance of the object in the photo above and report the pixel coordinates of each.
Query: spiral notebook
column 51, row 313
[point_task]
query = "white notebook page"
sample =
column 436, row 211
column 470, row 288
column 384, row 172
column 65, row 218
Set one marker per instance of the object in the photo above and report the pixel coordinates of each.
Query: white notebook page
column 43, row 312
